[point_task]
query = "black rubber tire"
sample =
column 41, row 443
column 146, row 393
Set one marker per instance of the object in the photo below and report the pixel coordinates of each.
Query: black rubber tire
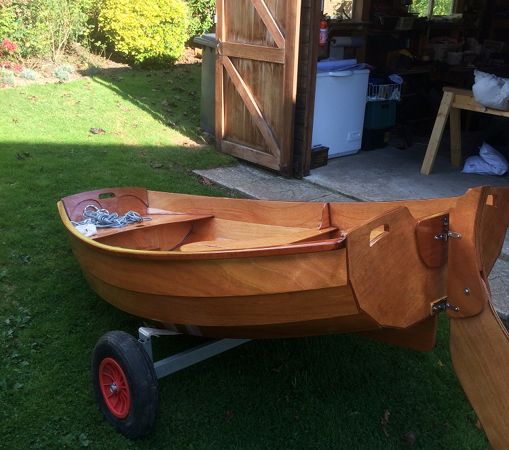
column 141, row 379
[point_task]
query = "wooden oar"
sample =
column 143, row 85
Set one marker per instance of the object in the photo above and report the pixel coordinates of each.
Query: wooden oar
column 480, row 356
column 230, row 244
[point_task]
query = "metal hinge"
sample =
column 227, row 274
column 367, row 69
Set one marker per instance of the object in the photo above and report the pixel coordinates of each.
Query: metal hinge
column 443, row 305
column 447, row 234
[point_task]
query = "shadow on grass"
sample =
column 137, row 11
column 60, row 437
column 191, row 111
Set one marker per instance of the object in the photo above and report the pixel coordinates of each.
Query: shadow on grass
column 171, row 96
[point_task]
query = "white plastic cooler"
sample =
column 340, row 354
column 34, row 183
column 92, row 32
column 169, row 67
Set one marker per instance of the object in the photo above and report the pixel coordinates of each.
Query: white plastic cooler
column 340, row 102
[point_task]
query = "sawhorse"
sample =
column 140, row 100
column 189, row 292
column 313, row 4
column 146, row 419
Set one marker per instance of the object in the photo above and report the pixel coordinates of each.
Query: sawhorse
column 453, row 101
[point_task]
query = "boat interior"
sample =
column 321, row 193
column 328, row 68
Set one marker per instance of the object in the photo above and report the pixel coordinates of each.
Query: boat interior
column 190, row 224
column 206, row 233
column 192, row 232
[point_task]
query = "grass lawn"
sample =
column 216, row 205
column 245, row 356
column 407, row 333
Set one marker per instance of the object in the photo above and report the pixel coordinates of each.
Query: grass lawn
column 337, row 392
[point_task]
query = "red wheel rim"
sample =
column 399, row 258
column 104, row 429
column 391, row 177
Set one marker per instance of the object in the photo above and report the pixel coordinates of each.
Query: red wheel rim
column 115, row 388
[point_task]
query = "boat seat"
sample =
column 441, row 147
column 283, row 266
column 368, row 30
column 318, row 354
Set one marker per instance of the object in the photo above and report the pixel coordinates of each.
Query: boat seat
column 155, row 220
column 274, row 241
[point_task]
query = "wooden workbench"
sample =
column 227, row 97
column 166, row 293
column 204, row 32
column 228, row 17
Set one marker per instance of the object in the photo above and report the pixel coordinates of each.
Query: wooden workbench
column 453, row 101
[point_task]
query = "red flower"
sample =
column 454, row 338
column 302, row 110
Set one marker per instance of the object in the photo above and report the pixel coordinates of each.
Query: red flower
column 5, row 64
column 9, row 46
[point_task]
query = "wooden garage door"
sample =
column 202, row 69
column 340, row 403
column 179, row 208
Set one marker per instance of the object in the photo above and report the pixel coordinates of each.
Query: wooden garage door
column 256, row 78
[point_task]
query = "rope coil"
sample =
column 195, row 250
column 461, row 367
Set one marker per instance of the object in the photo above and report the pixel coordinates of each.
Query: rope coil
column 102, row 218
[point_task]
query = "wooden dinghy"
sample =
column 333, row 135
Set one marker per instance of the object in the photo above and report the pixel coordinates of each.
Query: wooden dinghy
column 243, row 269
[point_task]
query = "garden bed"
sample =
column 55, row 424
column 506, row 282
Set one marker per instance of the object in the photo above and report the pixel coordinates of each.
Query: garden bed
column 74, row 65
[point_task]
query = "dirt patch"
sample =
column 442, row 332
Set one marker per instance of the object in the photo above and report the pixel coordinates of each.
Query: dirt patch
column 191, row 55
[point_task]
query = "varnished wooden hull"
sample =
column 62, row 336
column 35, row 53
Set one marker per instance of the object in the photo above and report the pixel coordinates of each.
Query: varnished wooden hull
column 264, row 316
column 342, row 280
column 255, row 296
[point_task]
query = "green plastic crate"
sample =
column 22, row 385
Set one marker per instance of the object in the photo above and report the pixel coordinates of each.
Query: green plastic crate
column 380, row 115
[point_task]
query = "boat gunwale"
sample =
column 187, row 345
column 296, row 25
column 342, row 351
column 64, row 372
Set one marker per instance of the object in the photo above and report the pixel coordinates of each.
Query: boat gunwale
column 353, row 201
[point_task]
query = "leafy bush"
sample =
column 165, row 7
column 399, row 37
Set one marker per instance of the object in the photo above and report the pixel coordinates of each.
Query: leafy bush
column 7, row 20
column 64, row 21
column 45, row 27
column 18, row 22
column 201, row 14
column 15, row 67
column 8, row 56
column 142, row 30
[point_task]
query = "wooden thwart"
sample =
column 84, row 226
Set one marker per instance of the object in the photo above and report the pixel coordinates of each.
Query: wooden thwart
column 118, row 200
column 155, row 220
column 379, row 267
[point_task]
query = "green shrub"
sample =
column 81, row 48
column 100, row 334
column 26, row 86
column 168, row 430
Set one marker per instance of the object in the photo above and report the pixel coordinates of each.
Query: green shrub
column 201, row 14
column 64, row 22
column 45, row 27
column 7, row 21
column 17, row 23
column 142, row 30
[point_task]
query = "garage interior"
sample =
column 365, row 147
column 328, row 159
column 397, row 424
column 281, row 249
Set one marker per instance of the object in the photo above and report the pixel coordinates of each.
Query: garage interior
column 412, row 51
column 431, row 47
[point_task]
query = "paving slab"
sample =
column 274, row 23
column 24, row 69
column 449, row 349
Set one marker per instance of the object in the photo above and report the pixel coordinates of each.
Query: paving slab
column 505, row 248
column 394, row 174
column 499, row 284
column 262, row 184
